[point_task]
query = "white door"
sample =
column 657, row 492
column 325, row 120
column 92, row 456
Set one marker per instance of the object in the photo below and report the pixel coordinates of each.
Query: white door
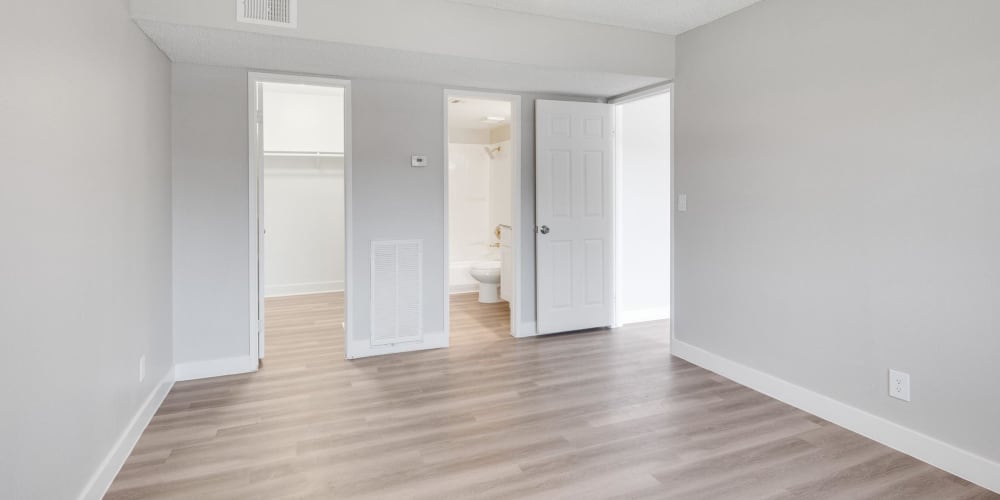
column 574, row 154
column 259, row 221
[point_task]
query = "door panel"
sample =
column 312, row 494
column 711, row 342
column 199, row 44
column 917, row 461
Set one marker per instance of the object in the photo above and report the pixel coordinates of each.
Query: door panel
column 574, row 177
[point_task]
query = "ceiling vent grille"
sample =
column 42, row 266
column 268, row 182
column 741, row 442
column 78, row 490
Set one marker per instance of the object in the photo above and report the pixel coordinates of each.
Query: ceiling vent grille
column 267, row 12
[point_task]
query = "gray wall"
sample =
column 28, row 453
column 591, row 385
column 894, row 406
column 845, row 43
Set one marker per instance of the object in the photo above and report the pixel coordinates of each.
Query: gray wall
column 391, row 121
column 842, row 163
column 85, row 253
column 211, row 203
column 391, row 200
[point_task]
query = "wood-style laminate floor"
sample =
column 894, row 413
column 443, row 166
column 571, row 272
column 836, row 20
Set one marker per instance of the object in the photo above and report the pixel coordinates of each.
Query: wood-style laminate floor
column 602, row 414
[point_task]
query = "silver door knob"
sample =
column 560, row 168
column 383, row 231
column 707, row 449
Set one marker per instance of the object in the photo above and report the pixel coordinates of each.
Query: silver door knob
column 544, row 229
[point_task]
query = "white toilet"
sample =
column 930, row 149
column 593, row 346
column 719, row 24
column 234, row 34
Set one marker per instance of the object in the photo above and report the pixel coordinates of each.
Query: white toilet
column 488, row 276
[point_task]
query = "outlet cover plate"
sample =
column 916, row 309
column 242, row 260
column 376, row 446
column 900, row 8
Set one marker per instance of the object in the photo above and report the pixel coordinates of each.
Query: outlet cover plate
column 899, row 385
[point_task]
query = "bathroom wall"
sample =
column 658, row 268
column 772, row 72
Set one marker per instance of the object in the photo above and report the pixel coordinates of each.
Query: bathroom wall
column 501, row 176
column 468, row 202
column 469, row 208
column 479, row 199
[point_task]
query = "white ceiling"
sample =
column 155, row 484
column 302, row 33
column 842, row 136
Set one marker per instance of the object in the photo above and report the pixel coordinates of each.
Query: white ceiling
column 671, row 17
column 200, row 45
column 469, row 113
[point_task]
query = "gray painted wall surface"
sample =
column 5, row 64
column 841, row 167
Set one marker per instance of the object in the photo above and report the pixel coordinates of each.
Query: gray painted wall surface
column 85, row 253
column 842, row 163
column 210, row 205
column 393, row 201
column 391, row 121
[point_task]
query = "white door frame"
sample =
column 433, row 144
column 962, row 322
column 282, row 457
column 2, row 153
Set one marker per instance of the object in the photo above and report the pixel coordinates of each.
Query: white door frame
column 516, row 329
column 256, row 208
column 638, row 95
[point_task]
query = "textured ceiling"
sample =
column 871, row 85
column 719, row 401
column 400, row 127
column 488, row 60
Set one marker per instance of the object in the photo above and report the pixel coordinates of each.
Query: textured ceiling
column 671, row 17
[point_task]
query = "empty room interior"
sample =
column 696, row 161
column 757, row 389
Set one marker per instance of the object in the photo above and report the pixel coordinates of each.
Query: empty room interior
column 395, row 249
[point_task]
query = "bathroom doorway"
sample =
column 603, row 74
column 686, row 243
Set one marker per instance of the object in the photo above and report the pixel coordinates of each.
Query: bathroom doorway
column 483, row 213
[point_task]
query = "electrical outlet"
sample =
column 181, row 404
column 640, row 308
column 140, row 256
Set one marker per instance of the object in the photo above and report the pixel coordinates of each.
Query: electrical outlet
column 899, row 385
column 142, row 368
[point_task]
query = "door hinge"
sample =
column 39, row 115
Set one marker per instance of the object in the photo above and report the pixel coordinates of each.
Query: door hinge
column 260, row 116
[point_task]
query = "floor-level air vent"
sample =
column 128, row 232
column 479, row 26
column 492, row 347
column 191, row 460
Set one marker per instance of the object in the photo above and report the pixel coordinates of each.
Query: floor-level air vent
column 397, row 304
column 270, row 12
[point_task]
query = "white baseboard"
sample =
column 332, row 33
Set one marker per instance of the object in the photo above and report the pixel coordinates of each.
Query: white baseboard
column 959, row 462
column 527, row 329
column 364, row 349
column 644, row 315
column 102, row 478
column 215, row 368
column 303, row 288
column 463, row 288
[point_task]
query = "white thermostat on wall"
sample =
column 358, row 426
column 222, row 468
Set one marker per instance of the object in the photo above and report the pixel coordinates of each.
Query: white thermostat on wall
column 418, row 161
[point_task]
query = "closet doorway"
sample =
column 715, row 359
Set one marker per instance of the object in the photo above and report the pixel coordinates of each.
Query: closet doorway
column 300, row 225
column 483, row 213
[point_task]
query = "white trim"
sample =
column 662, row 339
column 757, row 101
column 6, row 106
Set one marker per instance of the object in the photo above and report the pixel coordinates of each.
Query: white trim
column 363, row 348
column 215, row 368
column 290, row 289
column 256, row 209
column 617, row 200
column 673, row 215
column 446, row 263
column 642, row 93
column 527, row 329
column 463, row 288
column 643, row 315
column 105, row 474
column 255, row 239
column 964, row 464
column 516, row 138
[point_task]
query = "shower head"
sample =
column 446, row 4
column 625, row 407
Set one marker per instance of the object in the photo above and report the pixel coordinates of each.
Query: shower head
column 492, row 151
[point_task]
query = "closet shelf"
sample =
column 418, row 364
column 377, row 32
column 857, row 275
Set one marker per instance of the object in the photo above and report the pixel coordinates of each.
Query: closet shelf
column 305, row 154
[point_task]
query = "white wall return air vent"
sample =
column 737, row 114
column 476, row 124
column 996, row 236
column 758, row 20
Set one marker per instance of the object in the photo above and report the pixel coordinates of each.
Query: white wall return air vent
column 396, row 292
column 283, row 13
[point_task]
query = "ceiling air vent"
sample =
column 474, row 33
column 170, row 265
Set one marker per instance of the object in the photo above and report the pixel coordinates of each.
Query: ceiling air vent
column 268, row 12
